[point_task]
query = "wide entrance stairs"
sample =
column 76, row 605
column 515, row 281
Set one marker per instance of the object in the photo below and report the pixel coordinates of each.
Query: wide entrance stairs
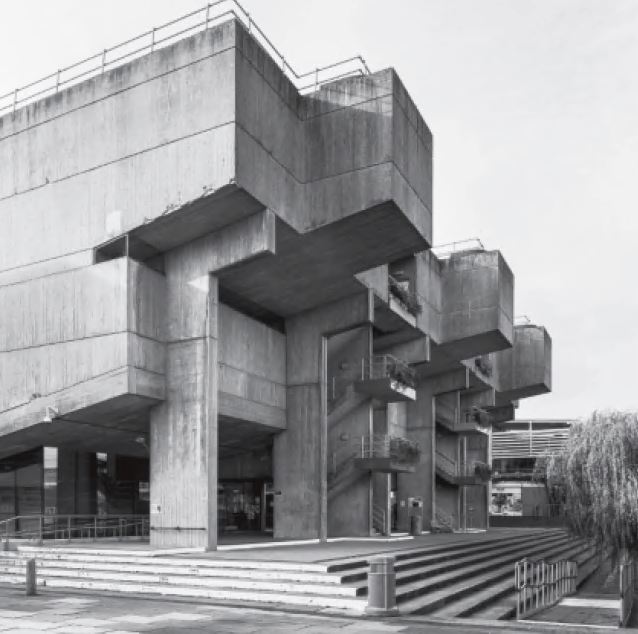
column 461, row 577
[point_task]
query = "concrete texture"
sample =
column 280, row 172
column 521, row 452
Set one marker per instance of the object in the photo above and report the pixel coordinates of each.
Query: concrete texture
column 200, row 275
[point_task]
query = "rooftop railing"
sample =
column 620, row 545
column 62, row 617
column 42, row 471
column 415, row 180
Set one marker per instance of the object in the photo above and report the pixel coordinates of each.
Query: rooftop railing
column 444, row 251
column 168, row 33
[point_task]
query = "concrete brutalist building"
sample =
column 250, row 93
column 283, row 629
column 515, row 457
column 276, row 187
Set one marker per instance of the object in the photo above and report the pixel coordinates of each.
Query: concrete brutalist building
column 219, row 306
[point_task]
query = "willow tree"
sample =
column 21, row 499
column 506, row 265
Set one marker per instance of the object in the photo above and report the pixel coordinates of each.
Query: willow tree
column 598, row 473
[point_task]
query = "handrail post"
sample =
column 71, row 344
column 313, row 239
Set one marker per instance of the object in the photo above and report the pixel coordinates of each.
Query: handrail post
column 15, row 99
column 41, row 528
column 153, row 39
column 95, row 528
column 104, row 60
column 57, row 80
column 68, row 527
column 207, row 15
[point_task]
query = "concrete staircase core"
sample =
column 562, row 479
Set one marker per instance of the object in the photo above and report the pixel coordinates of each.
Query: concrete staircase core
column 460, row 577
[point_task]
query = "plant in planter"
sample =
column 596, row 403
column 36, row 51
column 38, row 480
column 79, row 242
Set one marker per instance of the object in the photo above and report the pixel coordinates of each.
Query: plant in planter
column 483, row 365
column 405, row 297
column 483, row 471
column 401, row 373
column 404, row 451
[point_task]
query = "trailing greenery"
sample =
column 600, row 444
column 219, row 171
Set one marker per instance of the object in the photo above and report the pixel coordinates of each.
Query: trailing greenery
column 483, row 471
column 596, row 476
column 409, row 300
column 404, row 450
column 483, row 365
column 401, row 373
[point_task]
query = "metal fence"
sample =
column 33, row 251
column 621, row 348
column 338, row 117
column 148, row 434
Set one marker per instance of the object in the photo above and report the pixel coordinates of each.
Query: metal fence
column 540, row 585
column 166, row 34
column 71, row 527
column 627, row 590
column 443, row 251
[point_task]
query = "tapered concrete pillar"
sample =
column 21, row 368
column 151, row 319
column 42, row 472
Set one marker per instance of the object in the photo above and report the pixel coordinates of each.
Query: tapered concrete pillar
column 183, row 454
column 420, row 428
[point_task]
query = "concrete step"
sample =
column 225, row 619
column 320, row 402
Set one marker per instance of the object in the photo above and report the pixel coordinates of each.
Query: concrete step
column 418, row 567
column 353, row 565
column 195, row 570
column 425, row 596
column 502, row 592
column 115, row 556
column 352, row 604
column 505, row 606
column 318, row 587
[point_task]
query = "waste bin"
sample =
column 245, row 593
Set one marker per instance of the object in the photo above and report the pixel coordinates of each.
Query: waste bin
column 382, row 599
column 416, row 525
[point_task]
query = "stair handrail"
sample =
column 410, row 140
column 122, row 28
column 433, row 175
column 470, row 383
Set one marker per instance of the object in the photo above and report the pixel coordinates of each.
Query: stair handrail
column 67, row 526
column 171, row 32
column 379, row 518
column 384, row 366
column 540, row 584
column 443, row 518
column 447, row 464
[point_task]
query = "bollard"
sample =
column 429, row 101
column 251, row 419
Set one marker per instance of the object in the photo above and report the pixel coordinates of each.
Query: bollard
column 382, row 600
column 31, row 578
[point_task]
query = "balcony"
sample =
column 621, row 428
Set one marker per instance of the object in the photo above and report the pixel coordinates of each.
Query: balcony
column 386, row 378
column 381, row 453
column 449, row 414
column 469, row 474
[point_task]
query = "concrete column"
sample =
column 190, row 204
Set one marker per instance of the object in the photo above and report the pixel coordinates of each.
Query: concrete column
column 420, row 428
column 349, row 491
column 184, row 429
column 300, row 453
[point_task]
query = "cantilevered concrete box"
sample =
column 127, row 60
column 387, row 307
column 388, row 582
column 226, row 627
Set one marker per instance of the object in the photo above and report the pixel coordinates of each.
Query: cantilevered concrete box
column 477, row 290
column 86, row 341
column 526, row 369
column 341, row 168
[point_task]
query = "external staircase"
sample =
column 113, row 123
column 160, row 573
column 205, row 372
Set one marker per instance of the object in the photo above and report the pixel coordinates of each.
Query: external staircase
column 464, row 577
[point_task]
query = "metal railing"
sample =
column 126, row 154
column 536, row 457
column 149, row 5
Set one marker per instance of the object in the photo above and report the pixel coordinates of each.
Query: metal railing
column 396, row 448
column 476, row 469
column 379, row 522
column 443, row 251
column 70, row 527
column 383, row 366
column 168, row 33
column 627, row 590
column 444, row 519
column 540, row 584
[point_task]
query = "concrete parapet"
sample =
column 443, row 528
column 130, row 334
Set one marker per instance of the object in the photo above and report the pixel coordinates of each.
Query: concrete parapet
column 526, row 369
column 477, row 304
column 94, row 337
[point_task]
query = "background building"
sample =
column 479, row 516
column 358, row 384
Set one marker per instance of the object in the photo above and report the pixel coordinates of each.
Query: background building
column 219, row 305
column 518, row 491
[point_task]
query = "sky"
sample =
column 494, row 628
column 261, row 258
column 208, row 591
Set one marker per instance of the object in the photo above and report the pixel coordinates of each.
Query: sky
column 534, row 111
